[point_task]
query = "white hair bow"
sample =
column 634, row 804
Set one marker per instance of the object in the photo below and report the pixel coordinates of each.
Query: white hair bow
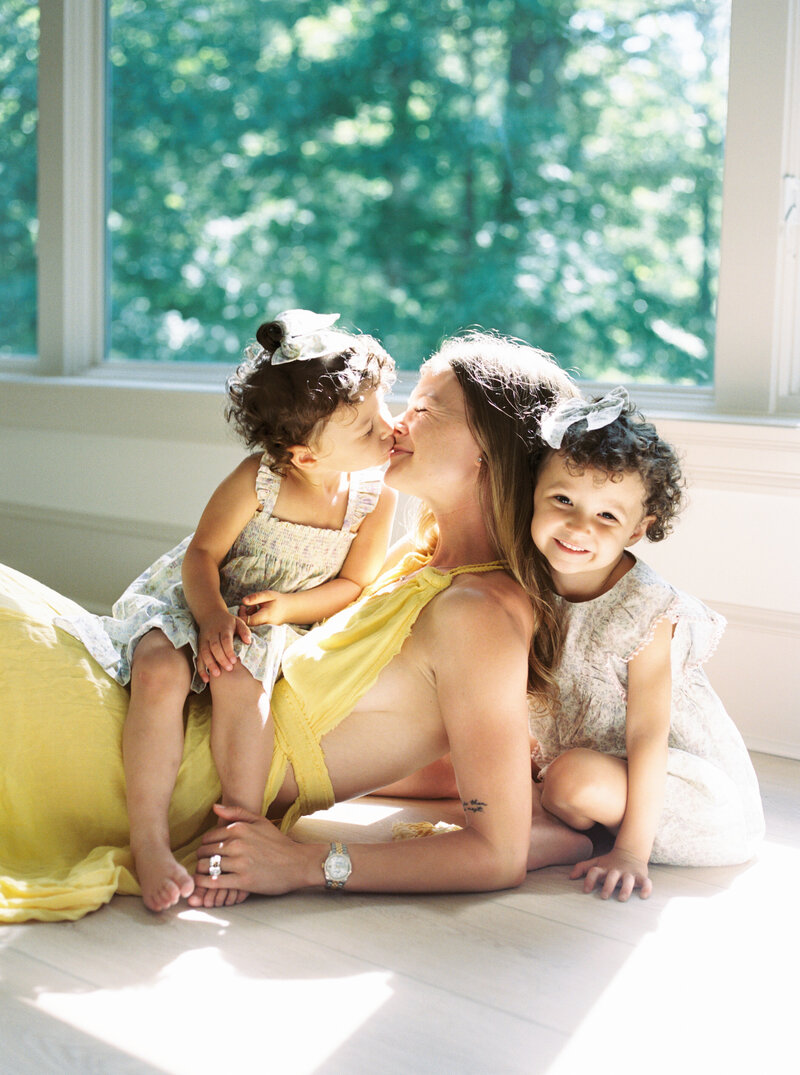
column 304, row 335
column 555, row 423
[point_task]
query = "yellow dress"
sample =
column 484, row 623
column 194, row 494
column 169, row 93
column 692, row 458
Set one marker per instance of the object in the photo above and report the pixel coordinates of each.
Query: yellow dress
column 64, row 836
column 330, row 668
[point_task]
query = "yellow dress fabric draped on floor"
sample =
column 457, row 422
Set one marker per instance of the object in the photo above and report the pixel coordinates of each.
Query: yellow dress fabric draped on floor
column 64, row 837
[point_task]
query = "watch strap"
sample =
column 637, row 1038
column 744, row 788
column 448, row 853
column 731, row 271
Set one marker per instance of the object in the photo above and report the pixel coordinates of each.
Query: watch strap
column 337, row 848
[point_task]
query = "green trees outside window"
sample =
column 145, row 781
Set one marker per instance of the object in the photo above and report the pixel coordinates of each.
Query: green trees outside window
column 19, row 33
column 545, row 167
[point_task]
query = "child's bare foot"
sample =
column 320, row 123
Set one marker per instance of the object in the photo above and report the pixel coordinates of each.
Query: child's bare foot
column 162, row 878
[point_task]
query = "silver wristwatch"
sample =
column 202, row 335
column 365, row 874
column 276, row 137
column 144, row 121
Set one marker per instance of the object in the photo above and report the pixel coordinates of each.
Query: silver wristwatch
column 337, row 867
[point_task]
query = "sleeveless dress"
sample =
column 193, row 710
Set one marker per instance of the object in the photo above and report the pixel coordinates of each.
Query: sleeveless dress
column 64, row 833
column 712, row 813
column 327, row 671
column 269, row 554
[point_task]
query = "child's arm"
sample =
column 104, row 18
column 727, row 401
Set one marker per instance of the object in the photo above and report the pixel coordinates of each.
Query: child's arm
column 363, row 563
column 227, row 513
column 646, row 735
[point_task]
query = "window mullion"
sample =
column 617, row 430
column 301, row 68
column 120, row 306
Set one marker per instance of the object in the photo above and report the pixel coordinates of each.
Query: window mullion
column 752, row 199
column 787, row 305
column 71, row 185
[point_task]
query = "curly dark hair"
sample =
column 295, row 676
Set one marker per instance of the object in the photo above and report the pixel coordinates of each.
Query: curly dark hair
column 278, row 407
column 631, row 444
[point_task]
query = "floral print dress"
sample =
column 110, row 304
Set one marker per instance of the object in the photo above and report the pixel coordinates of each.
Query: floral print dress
column 712, row 813
column 269, row 554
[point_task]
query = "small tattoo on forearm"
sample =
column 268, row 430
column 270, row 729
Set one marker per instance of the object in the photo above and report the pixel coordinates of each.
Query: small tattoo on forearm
column 474, row 806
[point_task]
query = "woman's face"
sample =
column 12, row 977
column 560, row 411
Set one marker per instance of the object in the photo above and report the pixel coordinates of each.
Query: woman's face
column 434, row 450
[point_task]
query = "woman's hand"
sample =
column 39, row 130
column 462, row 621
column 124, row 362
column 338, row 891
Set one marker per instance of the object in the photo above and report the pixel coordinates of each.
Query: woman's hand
column 618, row 867
column 266, row 606
column 215, row 637
column 254, row 857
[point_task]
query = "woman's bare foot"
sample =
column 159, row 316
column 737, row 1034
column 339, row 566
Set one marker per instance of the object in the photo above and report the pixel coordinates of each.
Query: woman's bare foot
column 217, row 897
column 162, row 878
column 552, row 842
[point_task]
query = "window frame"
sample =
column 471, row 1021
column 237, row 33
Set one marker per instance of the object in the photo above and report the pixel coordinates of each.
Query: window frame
column 759, row 281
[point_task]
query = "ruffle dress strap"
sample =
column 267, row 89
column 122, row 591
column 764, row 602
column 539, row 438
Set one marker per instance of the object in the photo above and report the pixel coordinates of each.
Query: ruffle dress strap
column 643, row 600
column 268, row 485
column 365, row 488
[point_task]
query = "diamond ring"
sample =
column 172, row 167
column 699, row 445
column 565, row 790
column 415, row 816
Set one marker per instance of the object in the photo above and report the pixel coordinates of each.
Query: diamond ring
column 215, row 866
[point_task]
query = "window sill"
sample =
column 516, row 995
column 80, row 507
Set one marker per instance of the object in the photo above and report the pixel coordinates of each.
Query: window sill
column 116, row 389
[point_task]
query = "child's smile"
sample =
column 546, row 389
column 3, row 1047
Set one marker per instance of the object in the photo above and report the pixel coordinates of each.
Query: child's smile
column 583, row 522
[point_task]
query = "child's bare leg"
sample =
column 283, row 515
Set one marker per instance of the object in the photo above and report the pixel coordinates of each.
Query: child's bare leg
column 584, row 787
column 552, row 842
column 152, row 746
column 241, row 745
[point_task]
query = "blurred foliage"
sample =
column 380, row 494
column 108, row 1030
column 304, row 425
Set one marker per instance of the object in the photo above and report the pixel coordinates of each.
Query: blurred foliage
column 19, row 32
column 543, row 167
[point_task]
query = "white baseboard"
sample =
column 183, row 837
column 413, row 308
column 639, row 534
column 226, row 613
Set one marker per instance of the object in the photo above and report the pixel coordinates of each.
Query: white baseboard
column 777, row 747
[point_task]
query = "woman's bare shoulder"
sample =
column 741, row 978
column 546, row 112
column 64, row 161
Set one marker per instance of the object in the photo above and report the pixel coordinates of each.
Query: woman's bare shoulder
column 489, row 600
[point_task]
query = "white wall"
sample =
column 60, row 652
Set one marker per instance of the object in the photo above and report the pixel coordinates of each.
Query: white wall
column 98, row 479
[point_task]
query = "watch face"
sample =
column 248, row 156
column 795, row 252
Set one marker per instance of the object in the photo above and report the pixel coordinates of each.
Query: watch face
column 337, row 867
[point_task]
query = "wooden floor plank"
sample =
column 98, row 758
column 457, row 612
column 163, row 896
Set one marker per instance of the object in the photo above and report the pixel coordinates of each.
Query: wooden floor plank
column 538, row 979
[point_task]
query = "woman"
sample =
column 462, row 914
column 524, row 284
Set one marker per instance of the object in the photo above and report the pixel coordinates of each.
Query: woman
column 436, row 656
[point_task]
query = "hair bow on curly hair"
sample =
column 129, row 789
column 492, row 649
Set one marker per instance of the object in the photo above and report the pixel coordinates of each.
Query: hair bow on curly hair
column 603, row 412
column 302, row 334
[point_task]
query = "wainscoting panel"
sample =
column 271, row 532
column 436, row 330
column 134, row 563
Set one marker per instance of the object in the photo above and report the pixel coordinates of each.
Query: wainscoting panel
column 90, row 558
column 756, row 672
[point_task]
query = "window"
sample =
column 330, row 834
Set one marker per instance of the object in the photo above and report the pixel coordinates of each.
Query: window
column 19, row 28
column 555, row 170
column 526, row 272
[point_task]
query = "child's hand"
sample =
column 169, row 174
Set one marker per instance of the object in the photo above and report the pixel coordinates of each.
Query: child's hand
column 618, row 867
column 266, row 606
column 215, row 637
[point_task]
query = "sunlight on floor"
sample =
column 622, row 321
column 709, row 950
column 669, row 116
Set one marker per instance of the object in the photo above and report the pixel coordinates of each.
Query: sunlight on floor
column 244, row 1016
column 692, row 980
column 359, row 812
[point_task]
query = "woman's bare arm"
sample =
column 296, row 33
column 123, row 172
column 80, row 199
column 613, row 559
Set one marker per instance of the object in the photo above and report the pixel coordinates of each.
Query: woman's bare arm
column 480, row 668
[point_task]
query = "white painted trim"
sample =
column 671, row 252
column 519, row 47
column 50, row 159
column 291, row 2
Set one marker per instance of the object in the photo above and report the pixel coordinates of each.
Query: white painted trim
column 777, row 747
column 115, row 526
column 71, row 185
column 761, row 620
column 745, row 359
column 761, row 458
column 787, row 296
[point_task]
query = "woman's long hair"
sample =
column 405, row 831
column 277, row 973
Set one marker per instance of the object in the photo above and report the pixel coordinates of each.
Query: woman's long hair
column 507, row 385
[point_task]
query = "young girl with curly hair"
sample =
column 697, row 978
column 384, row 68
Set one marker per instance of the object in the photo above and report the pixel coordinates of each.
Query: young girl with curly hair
column 637, row 741
column 291, row 536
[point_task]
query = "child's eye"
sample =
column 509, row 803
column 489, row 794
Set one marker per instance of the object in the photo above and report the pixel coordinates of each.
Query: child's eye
column 608, row 515
column 561, row 499
column 370, row 431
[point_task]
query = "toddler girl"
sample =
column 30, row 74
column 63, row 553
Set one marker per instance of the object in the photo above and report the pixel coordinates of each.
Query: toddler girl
column 290, row 537
column 638, row 741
